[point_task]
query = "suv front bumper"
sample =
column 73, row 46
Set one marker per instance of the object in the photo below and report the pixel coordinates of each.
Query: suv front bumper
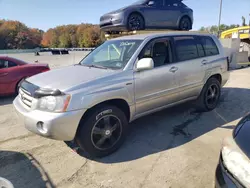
column 58, row 126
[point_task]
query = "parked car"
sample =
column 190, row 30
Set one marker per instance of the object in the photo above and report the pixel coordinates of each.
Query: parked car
column 121, row 80
column 146, row 14
column 13, row 71
column 233, row 169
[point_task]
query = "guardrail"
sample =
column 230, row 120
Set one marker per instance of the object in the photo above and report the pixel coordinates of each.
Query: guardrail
column 63, row 50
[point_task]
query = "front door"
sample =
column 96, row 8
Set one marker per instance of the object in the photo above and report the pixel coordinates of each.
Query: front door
column 157, row 87
column 172, row 11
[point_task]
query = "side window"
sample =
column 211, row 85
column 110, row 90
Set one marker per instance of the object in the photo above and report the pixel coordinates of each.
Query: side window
column 11, row 64
column 171, row 3
column 209, row 46
column 186, row 48
column 3, row 64
column 160, row 51
column 158, row 3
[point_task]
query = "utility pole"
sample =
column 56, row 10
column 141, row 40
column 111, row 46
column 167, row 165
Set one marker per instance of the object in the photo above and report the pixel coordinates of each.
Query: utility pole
column 220, row 17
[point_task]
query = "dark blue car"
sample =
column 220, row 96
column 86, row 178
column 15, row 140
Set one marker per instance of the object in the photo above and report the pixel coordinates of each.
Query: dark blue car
column 146, row 14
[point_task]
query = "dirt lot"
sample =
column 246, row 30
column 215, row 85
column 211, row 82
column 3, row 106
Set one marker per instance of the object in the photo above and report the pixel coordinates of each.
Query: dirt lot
column 172, row 148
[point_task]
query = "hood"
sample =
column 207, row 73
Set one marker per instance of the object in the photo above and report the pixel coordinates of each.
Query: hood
column 118, row 10
column 68, row 77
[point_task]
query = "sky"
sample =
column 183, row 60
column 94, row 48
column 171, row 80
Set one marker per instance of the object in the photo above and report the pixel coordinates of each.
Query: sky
column 45, row 14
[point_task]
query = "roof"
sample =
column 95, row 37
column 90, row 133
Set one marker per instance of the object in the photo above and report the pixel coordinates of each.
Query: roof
column 158, row 34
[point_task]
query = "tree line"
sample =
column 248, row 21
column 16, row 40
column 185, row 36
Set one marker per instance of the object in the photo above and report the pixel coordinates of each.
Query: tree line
column 16, row 35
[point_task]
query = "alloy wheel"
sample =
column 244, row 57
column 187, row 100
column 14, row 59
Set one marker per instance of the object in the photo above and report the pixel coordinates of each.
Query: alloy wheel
column 212, row 95
column 106, row 132
column 135, row 23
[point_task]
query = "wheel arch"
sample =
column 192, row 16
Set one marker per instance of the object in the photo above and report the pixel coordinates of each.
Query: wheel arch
column 216, row 76
column 136, row 12
column 117, row 102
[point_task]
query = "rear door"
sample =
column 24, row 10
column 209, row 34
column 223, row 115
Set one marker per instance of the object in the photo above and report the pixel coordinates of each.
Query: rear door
column 191, row 65
column 172, row 11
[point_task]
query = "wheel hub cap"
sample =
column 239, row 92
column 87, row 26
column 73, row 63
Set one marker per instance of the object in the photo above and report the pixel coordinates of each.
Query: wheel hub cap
column 107, row 133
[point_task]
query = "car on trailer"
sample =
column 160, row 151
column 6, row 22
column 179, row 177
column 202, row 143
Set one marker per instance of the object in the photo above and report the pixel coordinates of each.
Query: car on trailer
column 123, row 79
column 149, row 14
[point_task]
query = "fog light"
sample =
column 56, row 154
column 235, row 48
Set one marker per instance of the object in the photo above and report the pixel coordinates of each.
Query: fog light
column 41, row 127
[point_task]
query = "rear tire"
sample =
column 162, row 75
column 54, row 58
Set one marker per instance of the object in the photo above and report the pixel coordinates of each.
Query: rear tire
column 135, row 22
column 209, row 96
column 102, row 132
column 185, row 24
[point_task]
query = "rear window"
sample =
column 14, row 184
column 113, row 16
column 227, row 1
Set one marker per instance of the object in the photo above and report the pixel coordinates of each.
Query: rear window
column 186, row 48
column 209, row 46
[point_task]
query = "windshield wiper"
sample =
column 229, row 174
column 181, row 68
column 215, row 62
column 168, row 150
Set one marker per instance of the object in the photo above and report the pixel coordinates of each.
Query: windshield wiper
column 97, row 66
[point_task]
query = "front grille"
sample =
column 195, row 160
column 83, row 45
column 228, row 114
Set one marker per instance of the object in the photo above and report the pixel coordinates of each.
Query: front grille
column 106, row 24
column 105, row 17
column 25, row 97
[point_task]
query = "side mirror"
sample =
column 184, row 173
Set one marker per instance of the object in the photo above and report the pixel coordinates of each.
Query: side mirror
column 151, row 3
column 145, row 64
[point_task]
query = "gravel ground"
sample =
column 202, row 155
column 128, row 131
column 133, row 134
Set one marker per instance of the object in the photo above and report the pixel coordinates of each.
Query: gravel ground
column 172, row 148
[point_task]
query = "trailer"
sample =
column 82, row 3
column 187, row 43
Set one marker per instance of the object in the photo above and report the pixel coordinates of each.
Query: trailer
column 241, row 33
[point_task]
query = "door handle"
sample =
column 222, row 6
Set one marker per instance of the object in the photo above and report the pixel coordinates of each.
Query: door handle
column 173, row 69
column 204, row 62
column 3, row 74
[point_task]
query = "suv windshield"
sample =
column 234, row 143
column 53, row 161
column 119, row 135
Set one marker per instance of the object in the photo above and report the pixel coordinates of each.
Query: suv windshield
column 113, row 54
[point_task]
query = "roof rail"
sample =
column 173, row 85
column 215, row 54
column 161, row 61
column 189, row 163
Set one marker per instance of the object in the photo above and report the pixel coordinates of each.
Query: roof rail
column 126, row 33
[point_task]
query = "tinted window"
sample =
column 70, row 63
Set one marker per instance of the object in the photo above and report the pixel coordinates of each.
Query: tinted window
column 3, row 64
column 173, row 3
column 159, row 51
column 209, row 46
column 201, row 51
column 11, row 64
column 169, row 3
column 158, row 3
column 186, row 48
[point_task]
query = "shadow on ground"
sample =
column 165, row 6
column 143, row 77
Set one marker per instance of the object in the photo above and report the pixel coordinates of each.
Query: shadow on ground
column 6, row 100
column 179, row 125
column 23, row 170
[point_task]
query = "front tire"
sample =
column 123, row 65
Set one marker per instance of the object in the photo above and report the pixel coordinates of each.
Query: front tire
column 135, row 22
column 103, row 132
column 209, row 96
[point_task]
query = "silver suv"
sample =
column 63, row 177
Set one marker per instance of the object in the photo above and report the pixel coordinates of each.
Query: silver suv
column 123, row 79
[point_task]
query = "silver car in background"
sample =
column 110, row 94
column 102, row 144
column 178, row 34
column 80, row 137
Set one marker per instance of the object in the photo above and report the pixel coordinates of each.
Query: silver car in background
column 123, row 79
column 146, row 14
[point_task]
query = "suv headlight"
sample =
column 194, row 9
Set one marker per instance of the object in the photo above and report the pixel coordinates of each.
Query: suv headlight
column 53, row 103
column 236, row 162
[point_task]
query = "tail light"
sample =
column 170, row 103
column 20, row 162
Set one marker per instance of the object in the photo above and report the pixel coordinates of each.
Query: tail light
column 45, row 70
